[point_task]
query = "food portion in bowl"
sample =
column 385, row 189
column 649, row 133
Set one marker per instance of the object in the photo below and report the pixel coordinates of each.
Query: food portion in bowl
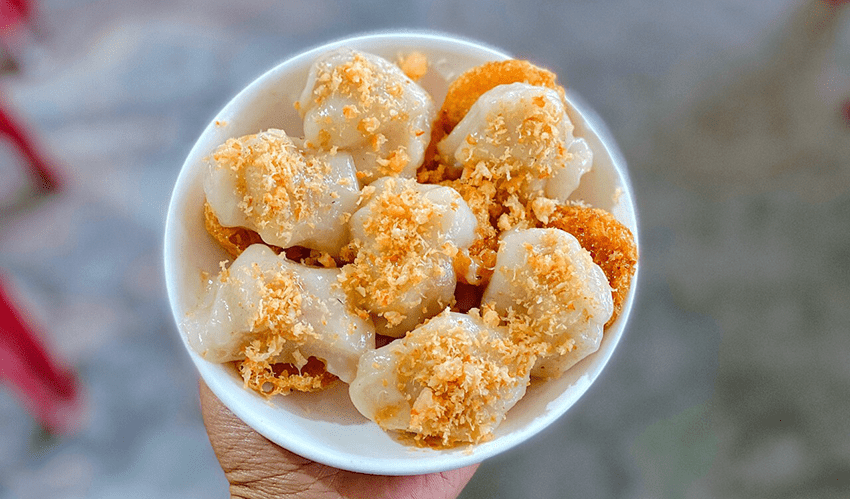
column 365, row 105
column 432, row 260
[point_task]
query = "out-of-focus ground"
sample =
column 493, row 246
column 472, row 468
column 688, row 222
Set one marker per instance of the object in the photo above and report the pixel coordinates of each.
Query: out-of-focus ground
column 733, row 377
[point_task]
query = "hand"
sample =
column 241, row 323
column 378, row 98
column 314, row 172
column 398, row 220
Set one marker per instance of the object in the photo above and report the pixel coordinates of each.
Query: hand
column 258, row 469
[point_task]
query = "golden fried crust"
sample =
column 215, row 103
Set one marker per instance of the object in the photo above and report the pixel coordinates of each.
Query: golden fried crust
column 272, row 379
column 470, row 85
column 234, row 240
column 610, row 243
column 432, row 171
column 466, row 89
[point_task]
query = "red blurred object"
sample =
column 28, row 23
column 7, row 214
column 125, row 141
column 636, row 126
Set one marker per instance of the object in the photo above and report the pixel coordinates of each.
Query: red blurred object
column 13, row 12
column 47, row 389
column 45, row 177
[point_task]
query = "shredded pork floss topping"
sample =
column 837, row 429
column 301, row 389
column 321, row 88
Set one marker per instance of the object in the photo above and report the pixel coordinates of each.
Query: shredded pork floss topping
column 255, row 293
column 516, row 136
column 279, row 318
column 610, row 243
column 459, row 384
column 267, row 164
column 366, row 105
column 265, row 182
column 514, row 150
column 403, row 268
column 264, row 310
column 503, row 160
column 449, row 381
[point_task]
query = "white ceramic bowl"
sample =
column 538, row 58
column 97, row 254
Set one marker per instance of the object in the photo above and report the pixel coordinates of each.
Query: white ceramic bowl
column 325, row 426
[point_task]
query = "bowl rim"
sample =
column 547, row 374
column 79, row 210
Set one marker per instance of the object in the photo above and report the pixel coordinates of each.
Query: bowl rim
column 239, row 403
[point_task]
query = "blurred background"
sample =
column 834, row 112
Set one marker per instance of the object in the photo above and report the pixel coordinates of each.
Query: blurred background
column 733, row 377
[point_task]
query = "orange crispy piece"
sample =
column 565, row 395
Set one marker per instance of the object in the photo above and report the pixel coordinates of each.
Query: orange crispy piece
column 466, row 89
column 473, row 83
column 610, row 243
column 271, row 379
column 234, row 240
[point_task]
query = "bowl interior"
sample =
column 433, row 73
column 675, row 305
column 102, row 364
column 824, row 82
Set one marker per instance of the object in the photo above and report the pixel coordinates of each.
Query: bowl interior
column 325, row 426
